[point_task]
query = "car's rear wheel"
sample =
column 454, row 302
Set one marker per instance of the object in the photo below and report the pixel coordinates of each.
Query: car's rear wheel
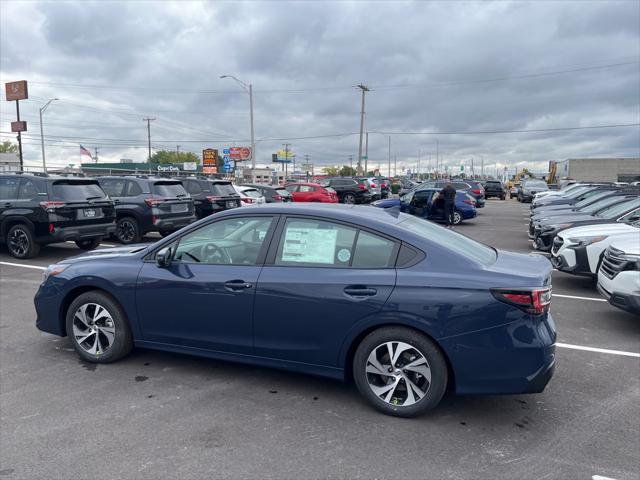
column 457, row 217
column 127, row 230
column 349, row 198
column 21, row 243
column 98, row 328
column 400, row 371
column 88, row 244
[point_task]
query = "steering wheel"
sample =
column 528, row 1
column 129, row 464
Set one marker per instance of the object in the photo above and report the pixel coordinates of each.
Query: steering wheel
column 212, row 253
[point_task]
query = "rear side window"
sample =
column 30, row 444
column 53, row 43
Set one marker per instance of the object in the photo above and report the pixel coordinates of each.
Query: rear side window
column 169, row 189
column 76, row 191
column 291, row 188
column 9, row 188
column 133, row 189
column 223, row 189
column 373, row 251
column 460, row 244
column 306, row 188
column 28, row 190
column 113, row 187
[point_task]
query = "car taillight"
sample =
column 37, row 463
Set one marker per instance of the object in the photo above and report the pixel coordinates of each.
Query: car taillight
column 152, row 202
column 535, row 301
column 384, row 185
column 277, row 198
column 361, row 186
column 213, row 198
column 476, row 191
column 373, row 185
column 247, row 200
column 51, row 228
column 51, row 206
column 469, row 202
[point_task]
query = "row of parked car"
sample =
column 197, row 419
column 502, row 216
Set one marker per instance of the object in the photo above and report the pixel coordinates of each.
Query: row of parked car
column 39, row 209
column 593, row 229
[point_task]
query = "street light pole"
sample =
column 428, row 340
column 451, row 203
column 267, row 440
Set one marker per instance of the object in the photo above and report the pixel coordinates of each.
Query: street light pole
column 249, row 89
column 44, row 163
column 364, row 89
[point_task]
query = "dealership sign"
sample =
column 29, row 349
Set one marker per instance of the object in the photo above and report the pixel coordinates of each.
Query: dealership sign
column 19, row 126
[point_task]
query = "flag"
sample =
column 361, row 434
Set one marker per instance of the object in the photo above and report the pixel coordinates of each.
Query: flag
column 84, row 151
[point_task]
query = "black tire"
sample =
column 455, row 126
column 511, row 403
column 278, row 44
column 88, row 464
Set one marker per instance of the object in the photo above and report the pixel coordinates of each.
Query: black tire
column 88, row 244
column 426, row 347
column 123, row 340
column 127, row 230
column 349, row 198
column 21, row 243
column 503, row 197
column 165, row 233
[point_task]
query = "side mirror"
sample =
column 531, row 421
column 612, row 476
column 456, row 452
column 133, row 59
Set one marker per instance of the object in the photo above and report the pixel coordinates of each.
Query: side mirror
column 163, row 257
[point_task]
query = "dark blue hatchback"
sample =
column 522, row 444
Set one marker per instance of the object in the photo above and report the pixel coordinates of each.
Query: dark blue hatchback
column 400, row 305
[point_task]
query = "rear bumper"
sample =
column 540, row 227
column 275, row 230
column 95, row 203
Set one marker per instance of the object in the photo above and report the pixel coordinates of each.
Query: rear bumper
column 173, row 223
column 624, row 301
column 78, row 232
column 515, row 358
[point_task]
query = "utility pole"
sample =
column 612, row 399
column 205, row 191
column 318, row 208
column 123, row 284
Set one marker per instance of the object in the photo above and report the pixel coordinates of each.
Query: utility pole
column 473, row 173
column 437, row 159
column 482, row 165
column 395, row 166
column 418, row 164
column 149, row 120
column 286, row 158
column 351, row 162
column 366, row 155
column 44, row 163
column 389, row 155
column 364, row 90
column 177, row 152
column 95, row 149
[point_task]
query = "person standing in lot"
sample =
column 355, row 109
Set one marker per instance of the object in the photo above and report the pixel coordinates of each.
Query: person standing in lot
column 448, row 193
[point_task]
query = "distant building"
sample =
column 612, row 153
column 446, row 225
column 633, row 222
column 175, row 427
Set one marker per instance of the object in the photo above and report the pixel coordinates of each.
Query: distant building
column 600, row 169
column 9, row 162
column 122, row 168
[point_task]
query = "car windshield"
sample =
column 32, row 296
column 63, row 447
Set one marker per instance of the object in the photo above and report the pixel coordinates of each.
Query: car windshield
column 460, row 244
column 77, row 191
column 577, row 192
column 600, row 204
column 169, row 189
column 591, row 199
column 535, row 184
column 619, row 209
column 223, row 189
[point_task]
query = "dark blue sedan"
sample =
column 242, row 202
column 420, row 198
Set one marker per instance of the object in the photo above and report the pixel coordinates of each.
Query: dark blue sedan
column 403, row 307
column 420, row 202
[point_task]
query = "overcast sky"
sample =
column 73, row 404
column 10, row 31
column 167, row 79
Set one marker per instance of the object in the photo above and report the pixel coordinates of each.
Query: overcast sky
column 433, row 67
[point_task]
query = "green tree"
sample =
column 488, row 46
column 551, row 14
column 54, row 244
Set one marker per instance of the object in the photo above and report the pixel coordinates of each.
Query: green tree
column 8, row 147
column 169, row 156
column 331, row 171
column 347, row 171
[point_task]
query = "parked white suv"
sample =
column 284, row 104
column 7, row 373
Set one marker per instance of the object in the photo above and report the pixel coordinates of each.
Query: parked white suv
column 619, row 274
column 579, row 250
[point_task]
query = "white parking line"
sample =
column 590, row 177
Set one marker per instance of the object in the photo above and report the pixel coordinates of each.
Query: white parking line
column 598, row 350
column 600, row 477
column 36, row 267
column 579, row 298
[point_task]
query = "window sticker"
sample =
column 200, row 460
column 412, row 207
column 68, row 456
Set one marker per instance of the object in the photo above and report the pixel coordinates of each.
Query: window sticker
column 309, row 245
column 344, row 255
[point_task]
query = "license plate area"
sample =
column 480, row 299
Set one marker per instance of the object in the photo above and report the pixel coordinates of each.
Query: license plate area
column 90, row 213
column 179, row 208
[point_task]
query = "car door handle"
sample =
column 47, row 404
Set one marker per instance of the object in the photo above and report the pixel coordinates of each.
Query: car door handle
column 236, row 285
column 359, row 291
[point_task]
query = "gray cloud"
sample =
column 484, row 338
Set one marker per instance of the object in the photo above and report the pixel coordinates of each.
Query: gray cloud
column 424, row 60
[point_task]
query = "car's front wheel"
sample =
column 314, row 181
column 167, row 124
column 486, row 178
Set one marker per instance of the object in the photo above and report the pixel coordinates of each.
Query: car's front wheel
column 400, row 371
column 457, row 218
column 98, row 328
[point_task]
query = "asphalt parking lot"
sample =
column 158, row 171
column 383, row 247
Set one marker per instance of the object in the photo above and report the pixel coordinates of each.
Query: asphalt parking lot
column 162, row 415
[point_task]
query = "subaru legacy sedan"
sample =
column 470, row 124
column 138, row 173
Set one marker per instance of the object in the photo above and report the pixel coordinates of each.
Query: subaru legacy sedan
column 401, row 306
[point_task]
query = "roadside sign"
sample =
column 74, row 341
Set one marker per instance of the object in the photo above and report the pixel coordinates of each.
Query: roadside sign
column 190, row 166
column 239, row 154
column 16, row 90
column 19, row 126
column 209, row 157
column 209, row 170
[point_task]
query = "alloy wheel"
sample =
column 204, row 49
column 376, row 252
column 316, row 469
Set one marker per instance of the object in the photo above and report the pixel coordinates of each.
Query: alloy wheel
column 457, row 218
column 126, row 231
column 93, row 328
column 349, row 198
column 398, row 373
column 19, row 242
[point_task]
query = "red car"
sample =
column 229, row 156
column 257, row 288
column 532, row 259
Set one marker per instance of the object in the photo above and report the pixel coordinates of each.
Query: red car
column 311, row 192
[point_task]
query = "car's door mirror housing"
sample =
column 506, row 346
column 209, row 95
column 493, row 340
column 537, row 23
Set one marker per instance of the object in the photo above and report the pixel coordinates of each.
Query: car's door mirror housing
column 163, row 257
